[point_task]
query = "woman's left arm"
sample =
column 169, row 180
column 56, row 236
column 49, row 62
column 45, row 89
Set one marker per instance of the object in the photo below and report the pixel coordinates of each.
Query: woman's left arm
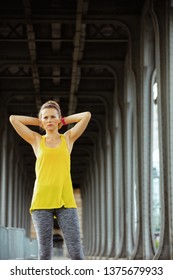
column 81, row 120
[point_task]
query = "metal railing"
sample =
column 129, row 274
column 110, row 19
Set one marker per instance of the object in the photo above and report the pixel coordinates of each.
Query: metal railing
column 15, row 245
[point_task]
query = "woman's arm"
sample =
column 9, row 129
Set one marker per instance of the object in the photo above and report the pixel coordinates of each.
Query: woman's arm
column 20, row 125
column 81, row 120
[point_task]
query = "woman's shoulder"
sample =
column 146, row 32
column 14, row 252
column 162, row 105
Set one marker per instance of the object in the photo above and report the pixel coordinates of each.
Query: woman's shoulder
column 69, row 143
column 66, row 135
column 36, row 145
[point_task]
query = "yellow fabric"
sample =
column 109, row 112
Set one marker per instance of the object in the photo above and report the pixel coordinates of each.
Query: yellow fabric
column 53, row 185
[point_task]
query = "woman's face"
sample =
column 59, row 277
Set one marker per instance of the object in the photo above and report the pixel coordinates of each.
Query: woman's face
column 50, row 119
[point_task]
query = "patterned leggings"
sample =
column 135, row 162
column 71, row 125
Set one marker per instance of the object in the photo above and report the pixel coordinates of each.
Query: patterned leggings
column 68, row 222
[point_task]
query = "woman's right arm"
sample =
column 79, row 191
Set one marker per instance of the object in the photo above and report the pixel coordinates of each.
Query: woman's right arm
column 20, row 124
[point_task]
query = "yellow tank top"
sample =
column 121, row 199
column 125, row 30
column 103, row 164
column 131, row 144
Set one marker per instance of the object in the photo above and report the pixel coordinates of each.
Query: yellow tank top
column 53, row 185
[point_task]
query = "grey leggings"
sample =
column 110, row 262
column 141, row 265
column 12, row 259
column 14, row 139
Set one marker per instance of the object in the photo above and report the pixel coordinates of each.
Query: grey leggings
column 68, row 222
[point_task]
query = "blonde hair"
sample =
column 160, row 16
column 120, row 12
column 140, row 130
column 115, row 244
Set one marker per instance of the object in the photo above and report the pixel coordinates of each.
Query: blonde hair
column 50, row 104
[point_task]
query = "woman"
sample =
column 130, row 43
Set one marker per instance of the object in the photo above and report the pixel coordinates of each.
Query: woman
column 53, row 191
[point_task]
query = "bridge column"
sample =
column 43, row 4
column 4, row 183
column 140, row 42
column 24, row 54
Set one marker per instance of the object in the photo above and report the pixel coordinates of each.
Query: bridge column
column 3, row 172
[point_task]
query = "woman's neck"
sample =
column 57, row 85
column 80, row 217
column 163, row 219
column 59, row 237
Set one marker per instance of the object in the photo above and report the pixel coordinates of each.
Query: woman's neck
column 52, row 134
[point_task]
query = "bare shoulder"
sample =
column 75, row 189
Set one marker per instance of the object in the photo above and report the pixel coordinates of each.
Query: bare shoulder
column 68, row 140
column 36, row 143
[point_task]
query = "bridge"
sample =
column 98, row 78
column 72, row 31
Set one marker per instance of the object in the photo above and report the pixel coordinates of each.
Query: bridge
column 114, row 59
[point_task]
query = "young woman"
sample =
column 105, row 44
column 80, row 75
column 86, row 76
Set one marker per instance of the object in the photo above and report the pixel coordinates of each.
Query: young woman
column 53, row 191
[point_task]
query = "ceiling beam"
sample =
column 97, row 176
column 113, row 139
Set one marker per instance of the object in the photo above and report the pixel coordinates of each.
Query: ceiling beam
column 32, row 50
column 79, row 40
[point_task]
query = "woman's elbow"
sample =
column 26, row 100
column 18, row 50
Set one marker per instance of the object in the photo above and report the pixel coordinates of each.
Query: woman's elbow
column 88, row 115
column 11, row 118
